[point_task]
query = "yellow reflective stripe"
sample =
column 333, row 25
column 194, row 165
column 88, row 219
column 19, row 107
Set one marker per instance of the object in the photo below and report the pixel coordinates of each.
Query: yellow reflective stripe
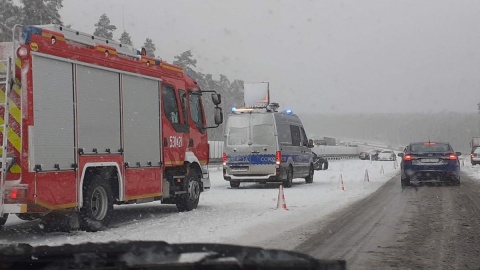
column 13, row 137
column 15, row 112
column 128, row 198
column 15, row 169
column 174, row 163
column 55, row 207
column 18, row 62
column 17, row 89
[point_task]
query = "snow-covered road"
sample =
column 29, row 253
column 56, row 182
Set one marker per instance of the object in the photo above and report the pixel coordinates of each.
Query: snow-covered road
column 239, row 216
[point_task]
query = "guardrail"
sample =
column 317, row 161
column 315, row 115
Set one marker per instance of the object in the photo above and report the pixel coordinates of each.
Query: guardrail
column 341, row 157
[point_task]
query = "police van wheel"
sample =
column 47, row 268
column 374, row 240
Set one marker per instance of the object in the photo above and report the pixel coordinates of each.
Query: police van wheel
column 189, row 200
column 288, row 182
column 234, row 184
column 96, row 213
column 309, row 178
column 3, row 219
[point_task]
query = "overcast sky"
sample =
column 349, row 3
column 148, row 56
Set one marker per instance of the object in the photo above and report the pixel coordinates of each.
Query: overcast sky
column 319, row 56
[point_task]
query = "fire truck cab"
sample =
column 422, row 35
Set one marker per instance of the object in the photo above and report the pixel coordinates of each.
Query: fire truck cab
column 87, row 123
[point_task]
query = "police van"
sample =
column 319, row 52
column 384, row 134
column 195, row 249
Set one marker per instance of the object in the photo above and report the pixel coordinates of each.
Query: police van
column 266, row 145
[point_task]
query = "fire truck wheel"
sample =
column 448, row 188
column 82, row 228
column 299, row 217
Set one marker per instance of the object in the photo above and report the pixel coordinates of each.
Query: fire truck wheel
column 3, row 219
column 97, row 207
column 28, row 216
column 189, row 201
column 288, row 182
column 309, row 178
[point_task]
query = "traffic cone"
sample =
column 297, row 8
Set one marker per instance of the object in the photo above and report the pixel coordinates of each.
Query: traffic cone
column 366, row 178
column 342, row 186
column 381, row 170
column 281, row 199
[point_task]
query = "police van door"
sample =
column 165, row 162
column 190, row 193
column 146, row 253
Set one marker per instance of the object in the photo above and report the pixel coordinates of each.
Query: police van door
column 306, row 153
column 262, row 144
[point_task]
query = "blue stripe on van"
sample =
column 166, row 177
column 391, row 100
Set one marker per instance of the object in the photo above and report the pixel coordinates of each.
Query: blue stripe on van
column 261, row 159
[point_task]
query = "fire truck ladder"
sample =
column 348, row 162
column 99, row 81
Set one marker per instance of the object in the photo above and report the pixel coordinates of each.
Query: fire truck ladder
column 5, row 83
column 89, row 40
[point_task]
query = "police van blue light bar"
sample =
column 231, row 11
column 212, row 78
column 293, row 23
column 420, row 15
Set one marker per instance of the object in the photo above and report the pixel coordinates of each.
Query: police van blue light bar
column 288, row 111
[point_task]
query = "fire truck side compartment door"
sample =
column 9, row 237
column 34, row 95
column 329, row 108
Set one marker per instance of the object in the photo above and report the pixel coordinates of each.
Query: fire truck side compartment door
column 53, row 141
column 98, row 103
column 141, row 120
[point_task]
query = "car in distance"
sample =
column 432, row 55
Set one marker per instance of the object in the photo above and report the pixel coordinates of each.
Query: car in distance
column 363, row 155
column 387, row 155
column 475, row 156
column 319, row 163
column 429, row 161
column 374, row 154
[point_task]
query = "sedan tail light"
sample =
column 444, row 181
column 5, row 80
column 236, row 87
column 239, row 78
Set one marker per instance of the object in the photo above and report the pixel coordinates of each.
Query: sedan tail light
column 452, row 157
column 407, row 157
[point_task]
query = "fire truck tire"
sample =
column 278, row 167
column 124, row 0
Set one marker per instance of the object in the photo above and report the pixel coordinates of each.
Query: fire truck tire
column 28, row 216
column 309, row 178
column 189, row 201
column 3, row 219
column 96, row 213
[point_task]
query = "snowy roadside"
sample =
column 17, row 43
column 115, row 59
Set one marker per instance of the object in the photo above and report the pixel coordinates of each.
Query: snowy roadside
column 239, row 216
column 466, row 167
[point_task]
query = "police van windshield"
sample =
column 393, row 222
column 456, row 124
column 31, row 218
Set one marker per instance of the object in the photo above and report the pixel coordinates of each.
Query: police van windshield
column 263, row 134
column 237, row 129
column 255, row 129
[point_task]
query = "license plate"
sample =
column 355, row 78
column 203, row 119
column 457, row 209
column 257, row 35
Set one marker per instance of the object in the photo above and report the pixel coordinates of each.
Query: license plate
column 239, row 169
column 429, row 160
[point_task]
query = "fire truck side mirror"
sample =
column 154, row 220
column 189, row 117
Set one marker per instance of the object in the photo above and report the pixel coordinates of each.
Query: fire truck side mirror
column 217, row 99
column 218, row 115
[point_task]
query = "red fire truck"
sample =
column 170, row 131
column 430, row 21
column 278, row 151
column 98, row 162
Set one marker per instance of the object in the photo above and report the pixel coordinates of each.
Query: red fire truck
column 87, row 123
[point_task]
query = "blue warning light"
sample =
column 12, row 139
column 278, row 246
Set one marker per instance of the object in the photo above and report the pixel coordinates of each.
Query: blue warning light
column 288, row 111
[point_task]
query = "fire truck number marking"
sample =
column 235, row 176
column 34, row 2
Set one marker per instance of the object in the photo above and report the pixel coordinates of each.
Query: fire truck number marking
column 175, row 141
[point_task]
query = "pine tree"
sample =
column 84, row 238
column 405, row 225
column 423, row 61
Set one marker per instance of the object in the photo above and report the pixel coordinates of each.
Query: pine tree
column 104, row 28
column 185, row 60
column 9, row 16
column 126, row 39
column 149, row 47
column 41, row 12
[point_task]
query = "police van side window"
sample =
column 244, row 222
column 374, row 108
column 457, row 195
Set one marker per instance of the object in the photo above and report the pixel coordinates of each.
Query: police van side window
column 304, row 137
column 296, row 137
column 170, row 105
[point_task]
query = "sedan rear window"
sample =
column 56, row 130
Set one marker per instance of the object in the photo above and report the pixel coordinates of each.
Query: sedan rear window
column 422, row 148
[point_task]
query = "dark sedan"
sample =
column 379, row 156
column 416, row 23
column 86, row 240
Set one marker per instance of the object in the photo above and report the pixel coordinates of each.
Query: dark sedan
column 430, row 161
